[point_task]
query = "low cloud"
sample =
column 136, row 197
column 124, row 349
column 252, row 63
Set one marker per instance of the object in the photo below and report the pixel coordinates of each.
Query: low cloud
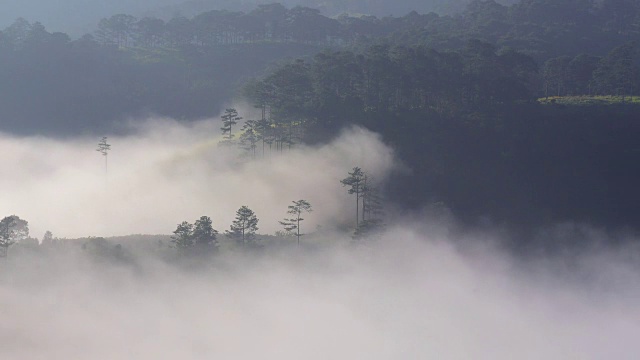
column 410, row 295
column 423, row 290
column 168, row 172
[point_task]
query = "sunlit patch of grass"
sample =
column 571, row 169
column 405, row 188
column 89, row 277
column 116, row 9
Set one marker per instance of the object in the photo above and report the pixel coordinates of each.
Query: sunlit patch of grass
column 586, row 100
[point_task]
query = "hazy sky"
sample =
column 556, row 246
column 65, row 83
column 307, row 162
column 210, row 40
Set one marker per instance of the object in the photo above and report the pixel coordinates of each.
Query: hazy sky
column 73, row 16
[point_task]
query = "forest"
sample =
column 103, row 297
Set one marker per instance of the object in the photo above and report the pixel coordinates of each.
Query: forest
column 320, row 179
column 525, row 114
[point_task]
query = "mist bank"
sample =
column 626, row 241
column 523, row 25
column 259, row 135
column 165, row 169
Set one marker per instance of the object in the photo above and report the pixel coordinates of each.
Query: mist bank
column 419, row 291
column 166, row 172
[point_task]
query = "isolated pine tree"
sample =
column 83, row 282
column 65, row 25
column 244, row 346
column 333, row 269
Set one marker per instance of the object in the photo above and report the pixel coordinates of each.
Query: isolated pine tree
column 104, row 148
column 292, row 224
column 355, row 182
column 229, row 119
column 244, row 227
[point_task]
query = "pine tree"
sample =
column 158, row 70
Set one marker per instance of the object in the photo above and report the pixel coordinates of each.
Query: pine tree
column 183, row 236
column 372, row 210
column 229, row 119
column 104, row 148
column 250, row 136
column 355, row 181
column 244, row 227
column 204, row 235
column 293, row 223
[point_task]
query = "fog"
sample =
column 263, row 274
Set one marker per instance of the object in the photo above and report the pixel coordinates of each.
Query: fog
column 418, row 292
column 426, row 289
column 165, row 172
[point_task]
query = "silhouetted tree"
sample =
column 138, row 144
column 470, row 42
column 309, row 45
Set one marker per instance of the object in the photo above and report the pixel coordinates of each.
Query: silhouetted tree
column 293, row 223
column 183, row 236
column 229, row 118
column 372, row 210
column 204, row 235
column 250, row 136
column 47, row 239
column 244, row 227
column 12, row 230
column 17, row 33
column 354, row 181
column 104, row 148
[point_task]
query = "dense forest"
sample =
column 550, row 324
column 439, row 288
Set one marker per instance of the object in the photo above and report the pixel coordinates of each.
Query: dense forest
column 76, row 17
column 521, row 114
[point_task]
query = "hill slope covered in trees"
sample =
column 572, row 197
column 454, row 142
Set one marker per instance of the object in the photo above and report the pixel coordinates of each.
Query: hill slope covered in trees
column 457, row 96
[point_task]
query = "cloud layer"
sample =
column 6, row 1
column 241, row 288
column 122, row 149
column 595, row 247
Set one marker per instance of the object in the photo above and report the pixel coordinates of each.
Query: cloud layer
column 421, row 291
column 411, row 295
column 169, row 172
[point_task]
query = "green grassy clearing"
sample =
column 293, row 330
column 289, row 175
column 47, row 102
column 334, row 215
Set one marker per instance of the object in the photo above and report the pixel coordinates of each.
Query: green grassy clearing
column 590, row 100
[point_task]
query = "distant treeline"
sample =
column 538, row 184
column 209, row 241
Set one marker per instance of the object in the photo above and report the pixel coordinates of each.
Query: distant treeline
column 541, row 28
column 50, row 84
column 186, row 68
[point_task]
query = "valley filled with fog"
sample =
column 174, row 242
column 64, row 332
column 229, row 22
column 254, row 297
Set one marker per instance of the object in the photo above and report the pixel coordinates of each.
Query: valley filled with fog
column 410, row 293
column 425, row 287
column 319, row 179
column 166, row 172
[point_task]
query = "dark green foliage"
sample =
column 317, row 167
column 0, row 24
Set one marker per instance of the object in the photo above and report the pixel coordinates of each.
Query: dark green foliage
column 187, row 67
column 468, row 126
column 183, row 236
column 200, row 236
column 619, row 72
column 204, row 235
column 244, row 227
column 12, row 230
column 90, row 84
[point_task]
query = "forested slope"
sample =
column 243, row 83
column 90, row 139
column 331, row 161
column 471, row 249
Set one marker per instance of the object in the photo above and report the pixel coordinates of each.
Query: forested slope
column 457, row 96
column 468, row 126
